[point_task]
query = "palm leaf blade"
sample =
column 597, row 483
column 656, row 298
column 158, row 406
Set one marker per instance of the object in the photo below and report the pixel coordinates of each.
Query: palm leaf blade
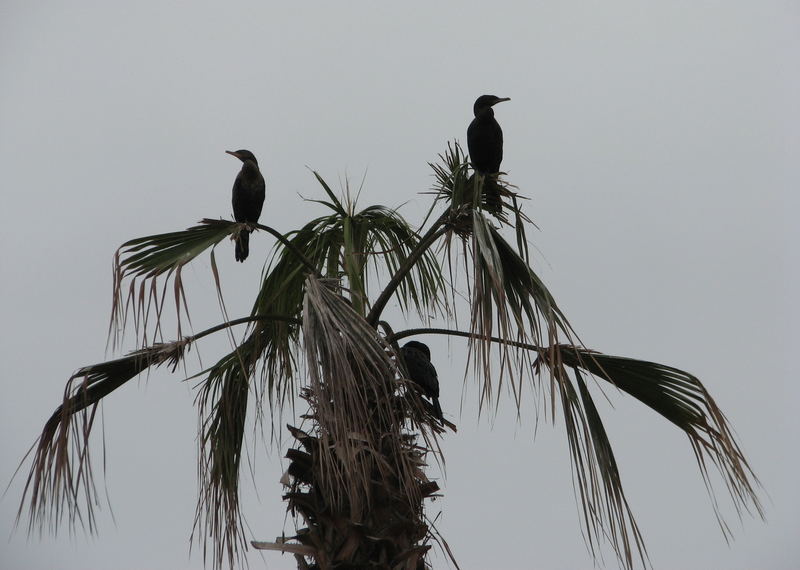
column 682, row 399
column 61, row 475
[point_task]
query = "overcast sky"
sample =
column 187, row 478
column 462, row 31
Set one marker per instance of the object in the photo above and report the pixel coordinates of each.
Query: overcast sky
column 658, row 144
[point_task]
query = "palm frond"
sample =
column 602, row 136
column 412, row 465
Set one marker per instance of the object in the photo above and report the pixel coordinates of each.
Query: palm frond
column 509, row 298
column 282, row 291
column 141, row 261
column 222, row 402
column 452, row 180
column 464, row 192
column 390, row 243
column 682, row 399
column 605, row 509
column 347, row 243
column 61, row 478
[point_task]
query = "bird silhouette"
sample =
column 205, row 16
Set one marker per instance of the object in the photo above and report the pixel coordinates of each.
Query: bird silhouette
column 485, row 145
column 249, row 190
column 417, row 357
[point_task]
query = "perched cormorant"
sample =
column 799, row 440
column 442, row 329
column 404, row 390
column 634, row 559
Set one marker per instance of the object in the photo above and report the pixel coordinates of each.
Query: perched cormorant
column 485, row 144
column 417, row 357
column 248, row 198
column 485, row 137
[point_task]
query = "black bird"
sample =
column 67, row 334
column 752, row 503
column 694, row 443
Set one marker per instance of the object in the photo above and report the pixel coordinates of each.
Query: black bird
column 249, row 190
column 485, row 145
column 485, row 137
column 417, row 357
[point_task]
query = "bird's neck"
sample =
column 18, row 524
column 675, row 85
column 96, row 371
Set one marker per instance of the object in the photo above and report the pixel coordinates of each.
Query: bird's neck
column 250, row 169
column 487, row 112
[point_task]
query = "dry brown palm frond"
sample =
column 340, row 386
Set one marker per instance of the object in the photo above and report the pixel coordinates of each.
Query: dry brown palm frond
column 61, row 478
column 60, row 483
column 360, row 422
column 357, row 483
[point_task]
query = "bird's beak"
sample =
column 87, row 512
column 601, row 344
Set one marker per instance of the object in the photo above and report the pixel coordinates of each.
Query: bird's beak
column 232, row 153
column 501, row 99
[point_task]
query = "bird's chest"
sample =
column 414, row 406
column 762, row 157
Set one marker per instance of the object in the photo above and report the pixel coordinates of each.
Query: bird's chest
column 248, row 198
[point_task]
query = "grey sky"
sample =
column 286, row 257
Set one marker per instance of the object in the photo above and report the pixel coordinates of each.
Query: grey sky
column 657, row 143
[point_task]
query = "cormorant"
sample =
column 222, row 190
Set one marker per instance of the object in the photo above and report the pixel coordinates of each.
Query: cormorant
column 485, row 137
column 417, row 357
column 248, row 198
column 485, row 145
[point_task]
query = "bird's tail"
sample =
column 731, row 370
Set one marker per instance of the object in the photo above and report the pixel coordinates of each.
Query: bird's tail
column 491, row 195
column 243, row 245
column 437, row 409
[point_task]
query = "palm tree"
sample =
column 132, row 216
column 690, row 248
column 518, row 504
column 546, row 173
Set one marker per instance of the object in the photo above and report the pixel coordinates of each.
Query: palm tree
column 356, row 481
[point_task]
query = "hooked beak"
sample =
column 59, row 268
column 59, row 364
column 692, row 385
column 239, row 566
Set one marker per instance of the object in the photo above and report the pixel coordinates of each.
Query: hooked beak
column 232, row 153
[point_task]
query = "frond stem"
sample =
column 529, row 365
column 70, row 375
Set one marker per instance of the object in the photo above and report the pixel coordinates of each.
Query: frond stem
column 293, row 248
column 450, row 332
column 241, row 321
column 434, row 233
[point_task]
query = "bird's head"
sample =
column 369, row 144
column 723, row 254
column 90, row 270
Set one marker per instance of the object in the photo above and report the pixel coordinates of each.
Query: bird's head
column 423, row 348
column 243, row 155
column 487, row 102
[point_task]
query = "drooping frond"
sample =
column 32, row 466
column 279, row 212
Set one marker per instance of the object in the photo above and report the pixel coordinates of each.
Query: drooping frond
column 61, row 480
column 596, row 478
column 677, row 395
column 222, row 402
column 683, row 400
column 508, row 300
column 141, row 261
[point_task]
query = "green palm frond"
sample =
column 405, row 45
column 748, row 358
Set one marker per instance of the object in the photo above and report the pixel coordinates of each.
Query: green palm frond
column 141, row 261
column 222, row 403
column 347, row 243
column 274, row 343
column 463, row 192
column 452, row 180
column 677, row 395
column 509, row 298
column 682, row 399
column 605, row 509
column 389, row 244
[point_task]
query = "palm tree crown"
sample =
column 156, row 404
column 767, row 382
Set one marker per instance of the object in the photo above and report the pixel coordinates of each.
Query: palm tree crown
column 356, row 481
